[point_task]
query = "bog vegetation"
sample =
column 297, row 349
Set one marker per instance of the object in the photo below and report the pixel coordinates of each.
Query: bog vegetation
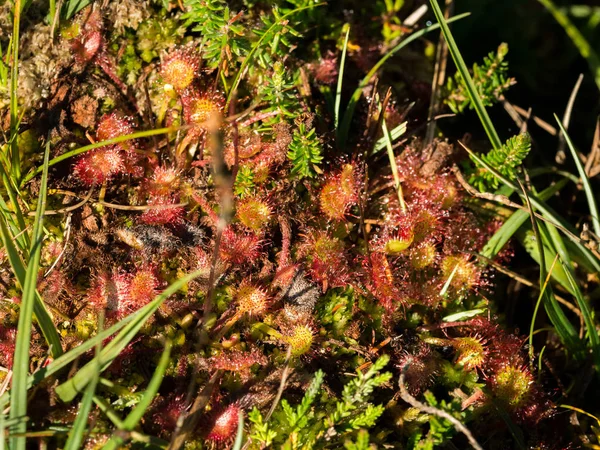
column 240, row 224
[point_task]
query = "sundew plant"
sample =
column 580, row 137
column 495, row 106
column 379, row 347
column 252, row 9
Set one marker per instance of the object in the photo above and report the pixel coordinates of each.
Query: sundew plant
column 252, row 224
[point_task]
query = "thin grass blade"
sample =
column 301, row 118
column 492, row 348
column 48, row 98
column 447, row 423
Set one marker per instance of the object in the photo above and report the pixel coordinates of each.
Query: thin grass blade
column 587, row 187
column 39, row 309
column 338, row 91
column 87, row 148
column 69, row 389
column 497, row 242
column 393, row 135
column 15, row 168
column 564, row 328
column 77, row 433
column 134, row 417
column 349, row 113
column 584, row 47
column 549, row 213
column 466, row 76
column 18, row 406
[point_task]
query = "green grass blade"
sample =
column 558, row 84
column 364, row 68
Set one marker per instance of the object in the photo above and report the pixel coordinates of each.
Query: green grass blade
column 338, row 91
column 138, row 412
column 18, row 407
column 69, row 389
column 239, row 437
column 39, row 309
column 23, row 239
column 497, row 242
column 564, row 328
column 394, row 134
column 77, row 433
column 108, row 411
column 258, row 44
column 558, row 274
column 585, row 49
column 537, row 307
column 15, row 168
column 589, row 193
column 349, row 113
column 134, row 417
column 87, row 148
column 586, row 311
column 548, row 213
column 466, row 76
column 67, row 358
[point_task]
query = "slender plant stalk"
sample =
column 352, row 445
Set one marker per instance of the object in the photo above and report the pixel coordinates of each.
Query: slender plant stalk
column 584, row 47
column 15, row 168
column 18, row 407
column 466, row 76
column 338, row 91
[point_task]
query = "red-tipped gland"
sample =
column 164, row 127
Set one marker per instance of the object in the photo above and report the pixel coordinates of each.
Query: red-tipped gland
column 166, row 412
column 251, row 300
column 423, row 255
column 204, row 110
column 165, row 182
column 239, row 248
column 512, row 384
column 179, row 69
column 225, row 425
column 471, row 352
column 463, row 274
column 114, row 125
column 238, row 361
column 397, row 240
column 143, row 287
column 326, row 257
column 339, row 193
column 380, row 280
column 162, row 214
column 98, row 166
column 254, row 213
column 7, row 346
column 300, row 338
column 111, row 293
column 426, row 223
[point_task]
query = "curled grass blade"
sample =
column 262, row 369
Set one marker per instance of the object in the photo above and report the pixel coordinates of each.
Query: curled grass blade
column 349, row 113
column 466, row 76
column 69, row 389
column 589, row 193
column 338, row 91
column 18, row 404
